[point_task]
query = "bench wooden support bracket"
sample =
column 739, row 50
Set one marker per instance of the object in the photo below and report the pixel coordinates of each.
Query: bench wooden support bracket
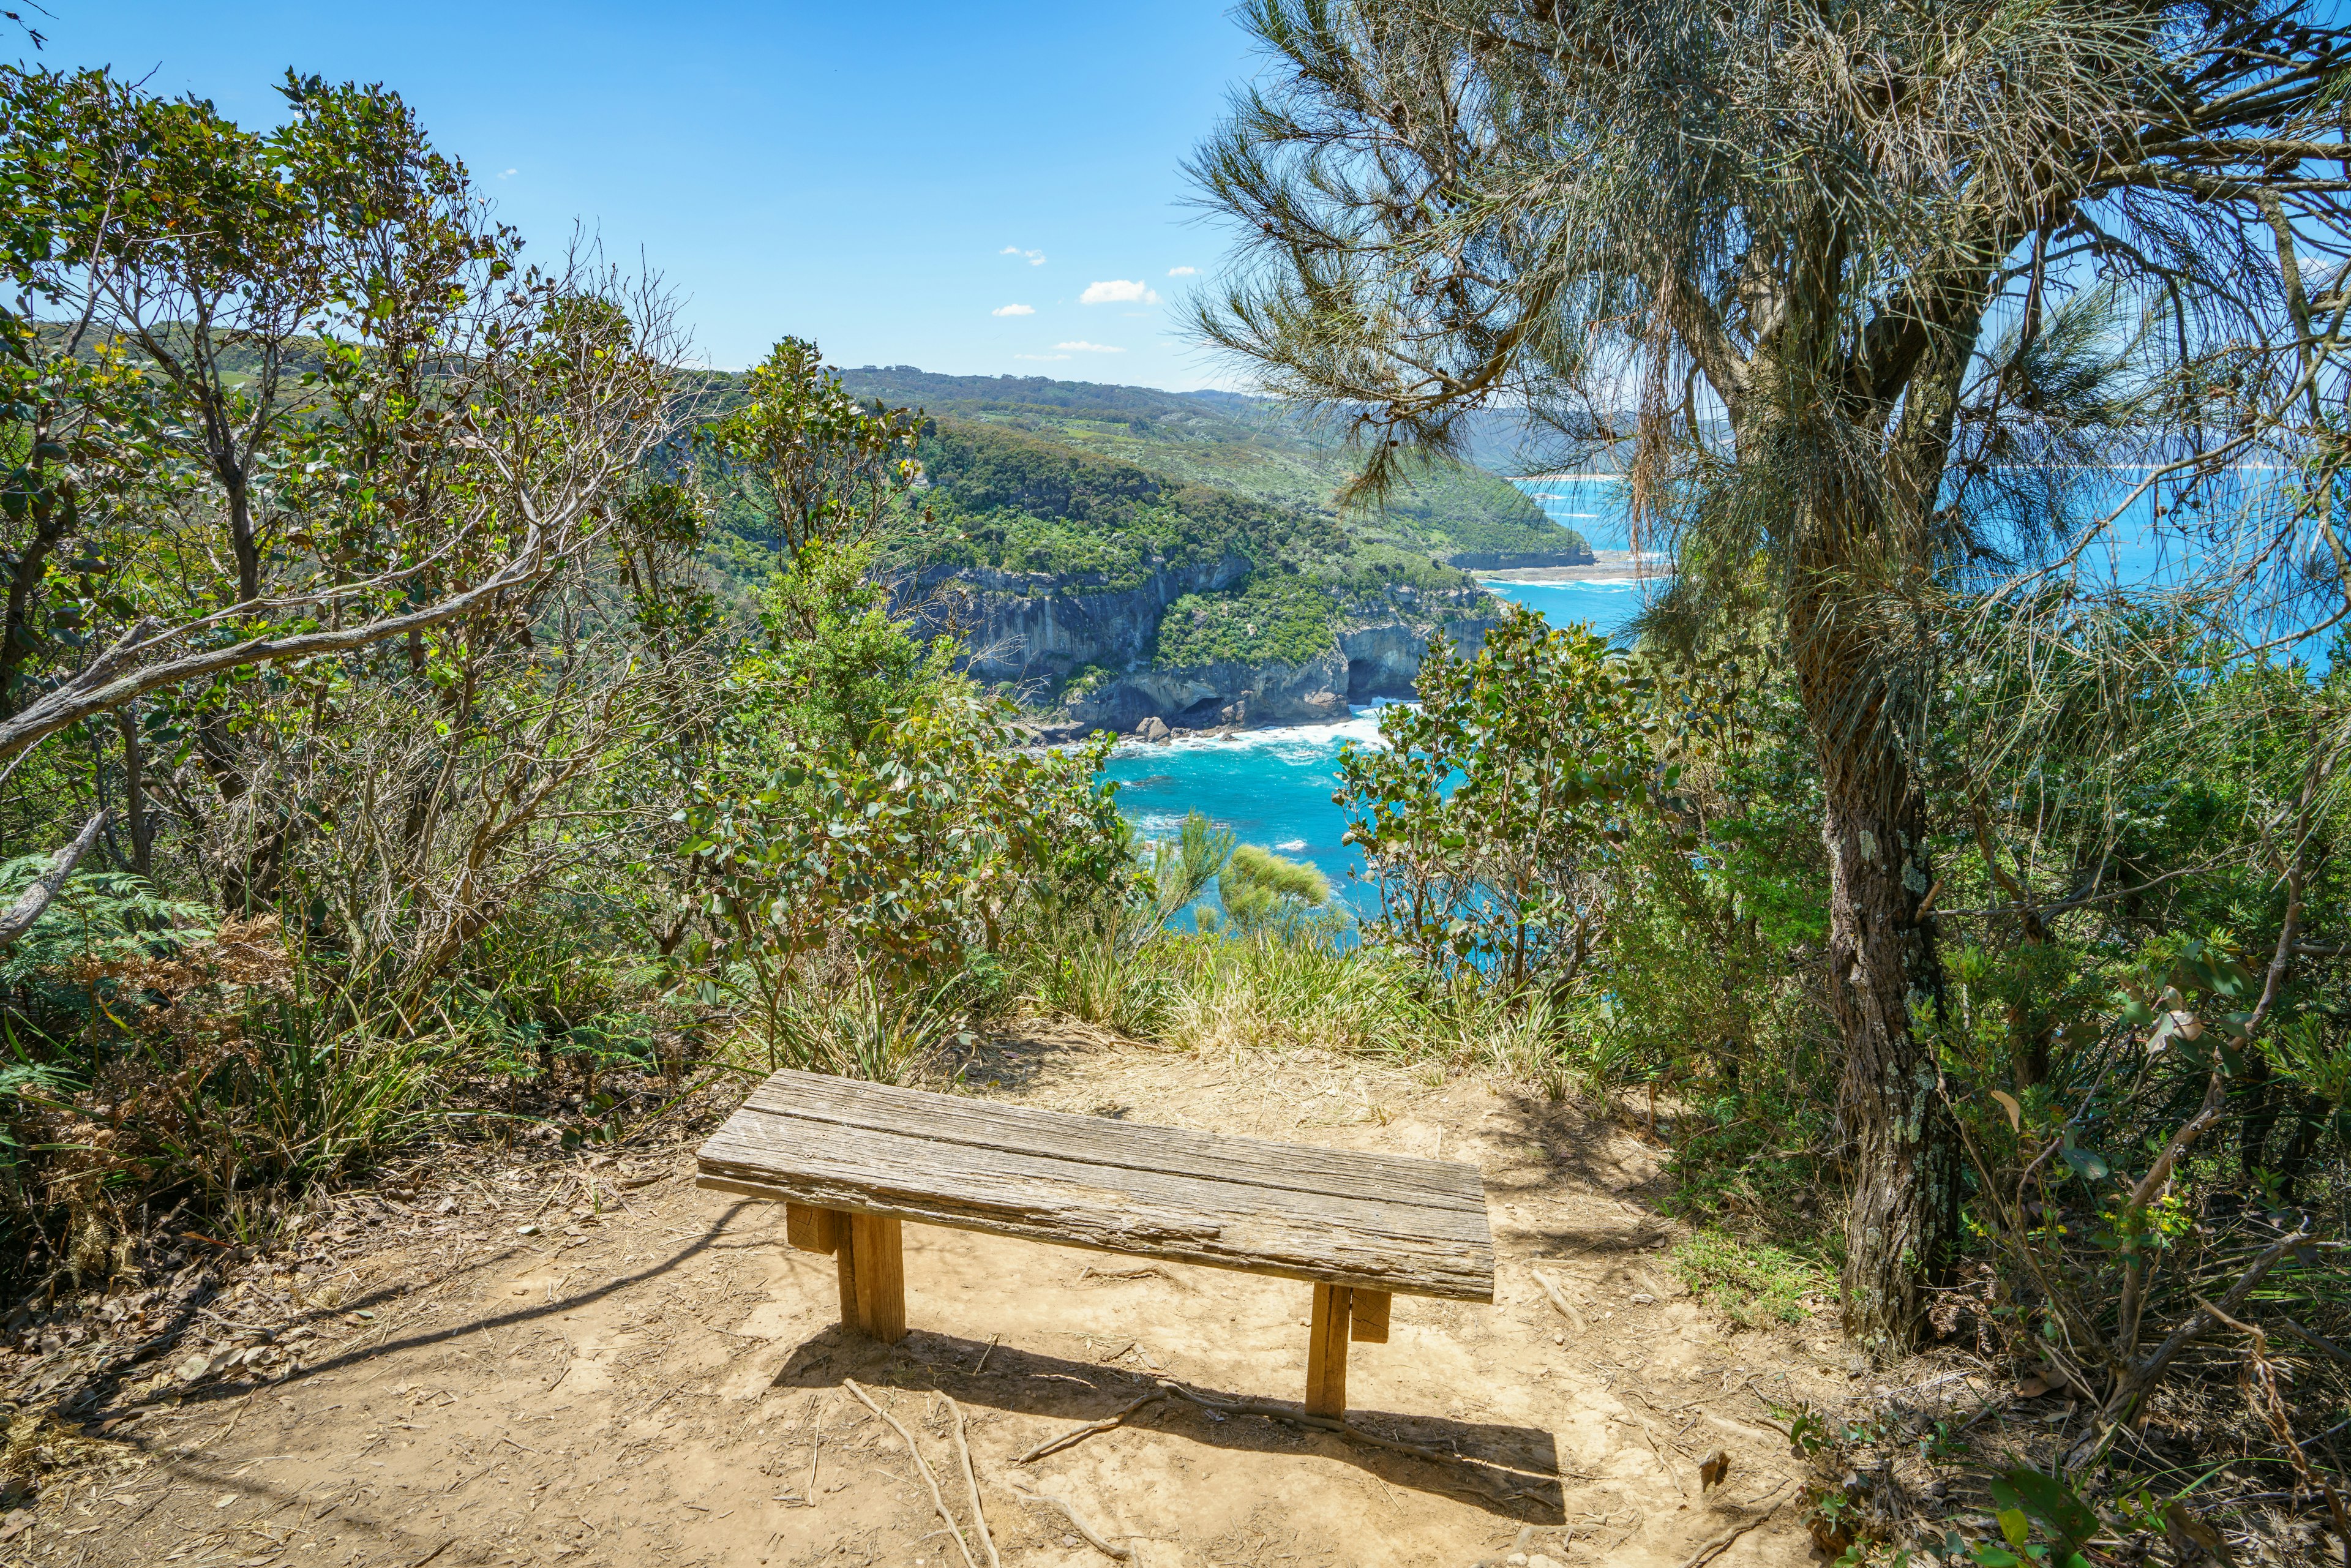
column 1326, row 1350
column 813, row 1229
column 1368, row 1319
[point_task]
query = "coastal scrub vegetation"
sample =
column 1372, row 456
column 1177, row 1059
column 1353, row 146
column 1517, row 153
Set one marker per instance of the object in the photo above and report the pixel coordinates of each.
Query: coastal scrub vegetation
column 429, row 710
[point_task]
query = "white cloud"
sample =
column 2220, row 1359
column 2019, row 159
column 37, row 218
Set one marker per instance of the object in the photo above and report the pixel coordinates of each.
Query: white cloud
column 1033, row 257
column 1118, row 291
column 1014, row 310
column 509, row 173
column 1183, row 271
column 1082, row 347
column 1040, row 356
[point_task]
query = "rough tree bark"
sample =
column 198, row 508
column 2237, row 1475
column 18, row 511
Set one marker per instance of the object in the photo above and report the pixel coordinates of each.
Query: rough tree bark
column 134, row 791
column 1885, row 977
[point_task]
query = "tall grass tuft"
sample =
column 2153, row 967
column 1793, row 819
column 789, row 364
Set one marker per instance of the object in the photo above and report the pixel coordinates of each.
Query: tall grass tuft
column 1290, row 984
column 1105, row 981
column 864, row 1029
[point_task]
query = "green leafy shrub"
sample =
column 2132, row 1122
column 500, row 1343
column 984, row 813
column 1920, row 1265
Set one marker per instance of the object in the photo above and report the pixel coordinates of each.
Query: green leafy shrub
column 1257, row 887
column 1495, row 814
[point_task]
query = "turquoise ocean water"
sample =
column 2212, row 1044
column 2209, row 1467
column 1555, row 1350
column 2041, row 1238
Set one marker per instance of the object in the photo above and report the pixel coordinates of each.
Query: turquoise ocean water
column 1273, row 787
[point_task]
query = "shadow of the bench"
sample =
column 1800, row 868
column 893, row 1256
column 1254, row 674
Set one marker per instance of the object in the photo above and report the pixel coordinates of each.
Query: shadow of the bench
column 1508, row 1470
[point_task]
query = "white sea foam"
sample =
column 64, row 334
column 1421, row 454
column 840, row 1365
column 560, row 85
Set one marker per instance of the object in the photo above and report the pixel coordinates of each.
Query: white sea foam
column 1292, row 742
column 1290, row 846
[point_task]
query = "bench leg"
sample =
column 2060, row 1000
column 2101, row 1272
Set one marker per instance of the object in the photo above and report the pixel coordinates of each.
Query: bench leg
column 868, row 1265
column 1326, row 1350
column 844, row 1265
column 873, row 1276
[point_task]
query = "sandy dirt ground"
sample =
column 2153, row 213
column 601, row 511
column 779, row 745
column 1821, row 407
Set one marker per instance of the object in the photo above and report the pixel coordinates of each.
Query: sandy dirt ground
column 588, row 1361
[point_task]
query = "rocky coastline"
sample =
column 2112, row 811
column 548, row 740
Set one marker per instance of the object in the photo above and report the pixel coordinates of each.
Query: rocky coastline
column 1082, row 652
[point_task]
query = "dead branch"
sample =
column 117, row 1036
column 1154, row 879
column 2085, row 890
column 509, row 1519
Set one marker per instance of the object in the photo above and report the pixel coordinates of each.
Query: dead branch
column 1559, row 1300
column 99, row 689
column 1076, row 1434
column 2325, row 1347
column 1716, row 1547
column 35, row 900
column 1094, row 1539
column 971, row 1480
column 2272, row 1404
column 2144, row 1378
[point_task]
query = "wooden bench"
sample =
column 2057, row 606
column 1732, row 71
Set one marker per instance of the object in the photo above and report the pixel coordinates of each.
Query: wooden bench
column 852, row 1160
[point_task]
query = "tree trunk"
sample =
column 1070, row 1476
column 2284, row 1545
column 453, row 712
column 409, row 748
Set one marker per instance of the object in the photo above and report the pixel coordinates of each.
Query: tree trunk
column 241, row 538
column 134, row 791
column 1884, row 979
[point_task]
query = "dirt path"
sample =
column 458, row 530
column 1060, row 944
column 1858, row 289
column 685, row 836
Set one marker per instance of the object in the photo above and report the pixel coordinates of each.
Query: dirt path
column 653, row 1377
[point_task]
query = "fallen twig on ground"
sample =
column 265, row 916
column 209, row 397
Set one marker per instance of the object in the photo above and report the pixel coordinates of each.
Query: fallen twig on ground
column 1116, row 1418
column 1663, row 1463
column 937, row 1500
column 1077, row 1524
column 1566, row 1309
column 1721, row 1542
column 2318, row 1343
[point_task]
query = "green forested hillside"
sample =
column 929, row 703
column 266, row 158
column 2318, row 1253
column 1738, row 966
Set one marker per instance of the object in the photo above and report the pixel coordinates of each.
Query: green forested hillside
column 1247, row 446
column 1018, row 501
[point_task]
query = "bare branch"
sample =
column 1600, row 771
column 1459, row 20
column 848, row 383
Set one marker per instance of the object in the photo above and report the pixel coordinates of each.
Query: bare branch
column 31, row 904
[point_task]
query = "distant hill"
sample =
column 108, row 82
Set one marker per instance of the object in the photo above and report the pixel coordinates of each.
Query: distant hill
column 1120, row 556
column 1251, row 446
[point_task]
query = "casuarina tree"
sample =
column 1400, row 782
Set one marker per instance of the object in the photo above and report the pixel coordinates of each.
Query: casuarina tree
column 1832, row 275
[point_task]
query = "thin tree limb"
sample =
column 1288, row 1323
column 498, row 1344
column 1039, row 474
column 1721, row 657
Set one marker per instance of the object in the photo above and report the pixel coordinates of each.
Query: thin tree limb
column 35, row 900
column 2144, row 1376
column 92, row 692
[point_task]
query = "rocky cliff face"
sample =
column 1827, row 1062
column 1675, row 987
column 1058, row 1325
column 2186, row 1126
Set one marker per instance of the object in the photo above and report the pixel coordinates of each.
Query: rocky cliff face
column 1039, row 629
column 1033, row 627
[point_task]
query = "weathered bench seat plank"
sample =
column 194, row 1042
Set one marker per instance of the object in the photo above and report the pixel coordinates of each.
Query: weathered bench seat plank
column 1100, row 1140
column 1380, row 1222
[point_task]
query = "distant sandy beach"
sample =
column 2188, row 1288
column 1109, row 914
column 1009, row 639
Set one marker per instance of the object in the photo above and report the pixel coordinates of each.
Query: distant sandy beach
column 1608, row 563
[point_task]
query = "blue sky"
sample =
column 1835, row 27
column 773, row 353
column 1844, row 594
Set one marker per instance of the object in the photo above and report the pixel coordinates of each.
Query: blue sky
column 876, row 177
